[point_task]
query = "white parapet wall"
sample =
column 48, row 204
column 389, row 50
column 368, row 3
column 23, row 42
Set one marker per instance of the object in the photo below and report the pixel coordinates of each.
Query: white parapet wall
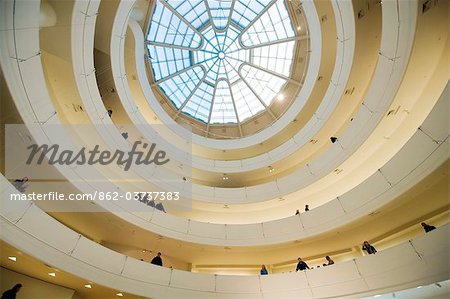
column 420, row 261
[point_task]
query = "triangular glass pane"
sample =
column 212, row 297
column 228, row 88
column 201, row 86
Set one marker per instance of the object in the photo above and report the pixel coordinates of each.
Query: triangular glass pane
column 199, row 104
column 273, row 25
column 167, row 61
column 247, row 104
column 266, row 85
column 276, row 58
column 223, row 109
column 193, row 11
column 180, row 87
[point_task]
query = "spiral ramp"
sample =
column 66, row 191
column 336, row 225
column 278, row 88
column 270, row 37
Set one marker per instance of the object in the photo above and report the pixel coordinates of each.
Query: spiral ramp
column 372, row 74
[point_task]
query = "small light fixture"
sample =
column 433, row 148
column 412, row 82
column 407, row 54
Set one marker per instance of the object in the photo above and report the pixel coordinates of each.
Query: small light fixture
column 119, row 294
column 88, row 286
column 271, row 169
column 377, row 296
column 299, row 28
column 225, row 177
column 52, row 274
column 280, row 97
column 419, row 287
column 12, row 258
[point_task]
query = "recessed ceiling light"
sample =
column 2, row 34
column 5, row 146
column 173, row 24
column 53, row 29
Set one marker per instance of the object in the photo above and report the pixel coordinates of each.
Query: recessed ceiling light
column 299, row 28
column 53, row 274
column 419, row 287
column 88, row 286
column 280, row 97
column 12, row 258
column 119, row 294
column 271, row 169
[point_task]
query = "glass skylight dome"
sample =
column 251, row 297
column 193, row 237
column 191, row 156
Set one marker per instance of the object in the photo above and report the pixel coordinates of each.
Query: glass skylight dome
column 221, row 62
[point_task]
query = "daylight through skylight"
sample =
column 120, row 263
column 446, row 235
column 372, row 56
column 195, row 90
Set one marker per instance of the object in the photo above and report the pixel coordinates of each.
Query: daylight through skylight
column 221, row 62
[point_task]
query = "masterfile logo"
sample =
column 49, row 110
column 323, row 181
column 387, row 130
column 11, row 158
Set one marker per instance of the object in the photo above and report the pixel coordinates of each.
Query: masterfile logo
column 95, row 156
column 115, row 165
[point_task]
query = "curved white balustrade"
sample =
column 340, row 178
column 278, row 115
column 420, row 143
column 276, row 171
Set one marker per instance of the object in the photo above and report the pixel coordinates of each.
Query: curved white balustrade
column 32, row 97
column 82, row 40
column 422, row 260
column 252, row 192
column 353, row 205
column 25, row 77
column 305, row 174
column 344, row 19
column 344, row 16
column 362, row 200
column 404, row 170
column 345, row 40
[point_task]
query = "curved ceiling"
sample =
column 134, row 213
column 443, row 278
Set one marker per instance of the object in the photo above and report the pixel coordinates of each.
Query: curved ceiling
column 311, row 158
column 348, row 92
column 362, row 82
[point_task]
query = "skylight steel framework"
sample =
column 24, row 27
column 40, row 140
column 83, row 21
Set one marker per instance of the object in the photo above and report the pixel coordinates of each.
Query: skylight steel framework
column 221, row 62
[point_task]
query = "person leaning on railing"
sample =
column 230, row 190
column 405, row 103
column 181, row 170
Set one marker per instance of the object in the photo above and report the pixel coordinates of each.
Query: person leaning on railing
column 301, row 265
column 369, row 248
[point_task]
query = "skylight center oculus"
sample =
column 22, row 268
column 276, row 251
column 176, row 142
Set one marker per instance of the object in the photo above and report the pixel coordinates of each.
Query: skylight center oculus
column 220, row 63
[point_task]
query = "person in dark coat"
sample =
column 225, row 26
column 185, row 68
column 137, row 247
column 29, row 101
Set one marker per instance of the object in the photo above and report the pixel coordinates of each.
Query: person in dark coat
column 369, row 248
column 11, row 294
column 301, row 265
column 427, row 227
column 264, row 270
column 329, row 260
column 151, row 203
column 157, row 260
